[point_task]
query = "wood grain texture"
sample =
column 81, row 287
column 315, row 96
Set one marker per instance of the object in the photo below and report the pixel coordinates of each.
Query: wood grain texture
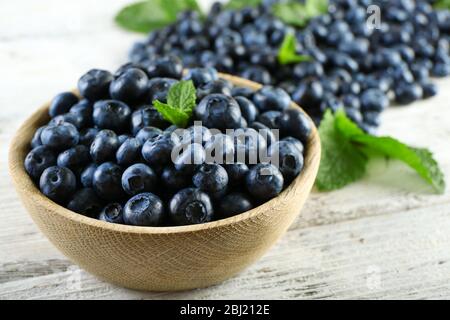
column 388, row 226
column 163, row 258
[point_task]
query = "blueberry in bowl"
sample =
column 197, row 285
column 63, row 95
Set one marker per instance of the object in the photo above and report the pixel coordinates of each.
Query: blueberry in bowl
column 110, row 204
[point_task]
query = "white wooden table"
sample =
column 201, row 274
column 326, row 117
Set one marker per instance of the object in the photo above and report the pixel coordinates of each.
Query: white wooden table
column 387, row 236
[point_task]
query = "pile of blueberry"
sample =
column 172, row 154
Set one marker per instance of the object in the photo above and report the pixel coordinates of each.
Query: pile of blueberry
column 354, row 66
column 110, row 155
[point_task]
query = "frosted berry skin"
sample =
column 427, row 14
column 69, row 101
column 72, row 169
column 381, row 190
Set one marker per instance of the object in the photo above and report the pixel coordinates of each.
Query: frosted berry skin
column 191, row 206
column 62, row 103
column 58, row 184
column 107, row 181
column 144, row 209
column 264, row 181
column 39, row 159
column 60, row 136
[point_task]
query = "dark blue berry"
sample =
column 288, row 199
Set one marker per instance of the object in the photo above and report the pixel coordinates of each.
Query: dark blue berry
column 191, row 206
column 174, row 180
column 145, row 209
column 87, row 175
column 295, row 123
column 129, row 152
column 270, row 119
column 62, row 103
column 60, row 136
column 290, row 160
column 211, row 178
column 85, row 202
column 74, row 158
column 236, row 173
column 107, row 181
column 58, row 184
column 233, row 204
column 111, row 114
column 374, row 99
column 112, row 213
column 104, row 146
column 248, row 108
column 138, row 178
column 130, row 86
column 219, row 111
column 148, row 133
column 264, row 181
column 94, row 85
column 39, row 159
column 270, row 98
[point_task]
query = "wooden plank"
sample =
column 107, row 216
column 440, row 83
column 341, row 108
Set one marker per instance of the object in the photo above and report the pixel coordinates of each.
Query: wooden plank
column 397, row 256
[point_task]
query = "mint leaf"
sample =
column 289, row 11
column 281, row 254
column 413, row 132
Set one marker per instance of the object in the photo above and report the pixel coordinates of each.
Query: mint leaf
column 180, row 103
column 148, row 15
column 342, row 162
column 345, row 146
column 298, row 14
column 288, row 53
column 239, row 4
column 442, row 4
column 182, row 95
column 421, row 160
column 173, row 115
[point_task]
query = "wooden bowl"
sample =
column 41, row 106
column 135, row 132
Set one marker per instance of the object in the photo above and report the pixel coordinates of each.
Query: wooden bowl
column 162, row 258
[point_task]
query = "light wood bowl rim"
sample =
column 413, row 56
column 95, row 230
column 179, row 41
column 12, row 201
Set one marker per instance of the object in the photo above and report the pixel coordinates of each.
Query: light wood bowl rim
column 23, row 183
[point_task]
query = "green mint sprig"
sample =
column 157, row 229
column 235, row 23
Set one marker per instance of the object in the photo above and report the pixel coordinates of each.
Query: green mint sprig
column 298, row 14
column 288, row 54
column 347, row 150
column 180, row 103
column 148, row 15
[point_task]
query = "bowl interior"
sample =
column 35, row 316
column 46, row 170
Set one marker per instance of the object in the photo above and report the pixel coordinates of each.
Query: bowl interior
column 20, row 147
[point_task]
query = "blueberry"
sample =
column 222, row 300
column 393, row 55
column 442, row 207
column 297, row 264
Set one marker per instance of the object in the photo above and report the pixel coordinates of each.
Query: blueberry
column 125, row 67
column 217, row 86
column 174, row 180
column 130, row 87
column 270, row 98
column 189, row 158
column 145, row 209
column 296, row 143
column 269, row 135
column 441, row 70
column 429, row 89
column 248, row 108
column 158, row 88
column 148, row 133
column 157, row 152
column 74, row 158
column 58, row 184
column 308, row 94
column 104, row 146
column 128, row 152
column 94, row 85
column 354, row 115
column 270, row 119
column 39, row 159
column 72, row 118
column 138, row 178
column 111, row 114
column 36, row 140
column 250, row 146
column 84, row 111
column 371, row 118
column 211, row 178
column 122, row 138
column 219, row 111
column 201, row 76
column 60, row 136
column 242, row 92
column 87, row 175
column 147, row 116
column 107, row 181
column 233, row 204
column 62, row 103
column 289, row 158
column 307, row 69
column 168, row 66
column 87, row 136
column 219, row 149
column 406, row 93
column 351, row 101
column 112, row 213
column 85, row 202
column 257, row 74
column 294, row 123
column 264, row 181
column 374, row 99
column 196, row 134
column 330, row 102
column 191, row 206
column 236, row 173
